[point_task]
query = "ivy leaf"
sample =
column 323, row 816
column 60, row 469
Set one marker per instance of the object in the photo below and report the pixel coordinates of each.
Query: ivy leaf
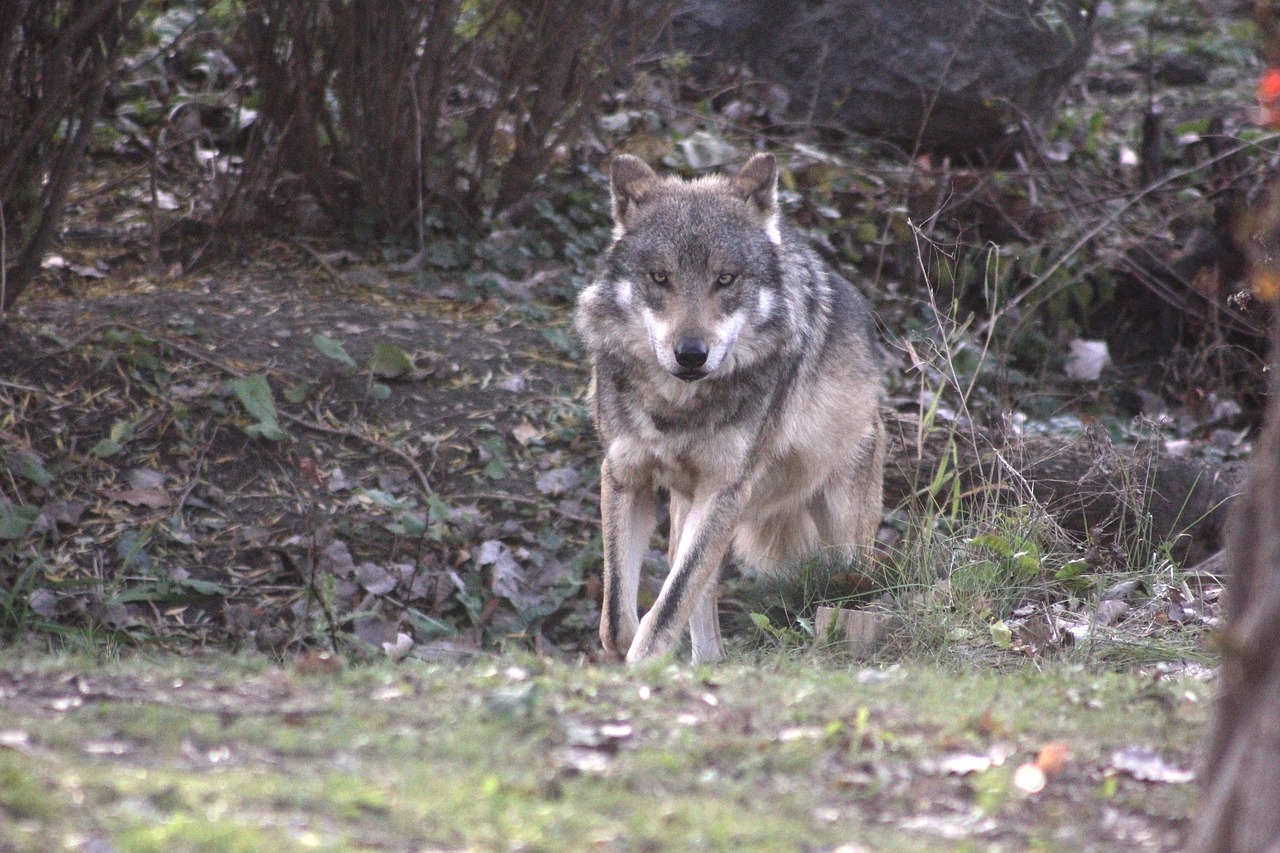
column 28, row 465
column 1001, row 635
column 255, row 395
column 389, row 361
column 15, row 519
column 105, row 448
column 331, row 348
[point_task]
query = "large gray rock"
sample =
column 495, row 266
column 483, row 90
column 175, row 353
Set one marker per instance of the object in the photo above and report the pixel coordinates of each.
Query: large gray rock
column 957, row 75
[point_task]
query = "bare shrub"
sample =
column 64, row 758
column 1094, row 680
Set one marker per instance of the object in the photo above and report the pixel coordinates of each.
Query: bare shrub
column 382, row 107
column 56, row 59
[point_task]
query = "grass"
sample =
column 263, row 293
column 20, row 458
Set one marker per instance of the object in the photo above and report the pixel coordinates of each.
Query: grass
column 772, row 752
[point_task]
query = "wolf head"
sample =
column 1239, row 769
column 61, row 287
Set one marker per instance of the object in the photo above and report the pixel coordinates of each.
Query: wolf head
column 693, row 276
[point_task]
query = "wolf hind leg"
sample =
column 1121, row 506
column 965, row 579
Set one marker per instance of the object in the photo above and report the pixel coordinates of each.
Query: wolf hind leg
column 848, row 507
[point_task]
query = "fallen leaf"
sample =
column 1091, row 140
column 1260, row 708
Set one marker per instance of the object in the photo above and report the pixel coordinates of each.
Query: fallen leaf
column 375, row 579
column 334, row 350
column 15, row 519
column 401, row 647
column 28, row 465
column 44, row 602
column 254, row 393
column 317, row 663
column 703, row 150
column 507, row 576
column 558, row 481
column 336, row 560
column 60, row 514
column 1001, row 635
column 146, row 478
column 1111, row 611
column 524, row 433
column 339, row 482
column 1122, row 591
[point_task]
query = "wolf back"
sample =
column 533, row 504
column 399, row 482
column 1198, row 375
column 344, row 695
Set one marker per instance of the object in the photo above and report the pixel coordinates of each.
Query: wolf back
column 736, row 370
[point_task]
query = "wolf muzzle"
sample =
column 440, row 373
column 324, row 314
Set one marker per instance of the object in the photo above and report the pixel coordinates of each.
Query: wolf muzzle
column 691, row 356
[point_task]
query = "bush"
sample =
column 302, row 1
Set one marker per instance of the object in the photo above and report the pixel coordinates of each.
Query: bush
column 385, row 107
column 56, row 61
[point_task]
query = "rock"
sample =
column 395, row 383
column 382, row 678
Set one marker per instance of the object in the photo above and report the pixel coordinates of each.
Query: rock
column 1182, row 70
column 1094, row 492
column 976, row 69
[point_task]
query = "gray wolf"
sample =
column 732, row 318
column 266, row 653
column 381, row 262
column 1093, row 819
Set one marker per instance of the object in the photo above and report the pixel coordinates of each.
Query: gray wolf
column 732, row 368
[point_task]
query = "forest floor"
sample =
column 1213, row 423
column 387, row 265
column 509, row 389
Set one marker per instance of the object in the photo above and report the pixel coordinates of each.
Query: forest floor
column 316, row 527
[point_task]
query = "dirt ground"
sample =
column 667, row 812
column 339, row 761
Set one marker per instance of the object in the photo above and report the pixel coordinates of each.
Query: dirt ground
column 390, row 484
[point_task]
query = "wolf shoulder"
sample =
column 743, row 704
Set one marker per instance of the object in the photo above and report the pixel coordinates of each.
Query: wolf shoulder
column 851, row 321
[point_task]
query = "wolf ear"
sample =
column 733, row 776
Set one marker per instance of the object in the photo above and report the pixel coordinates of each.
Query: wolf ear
column 631, row 181
column 758, row 183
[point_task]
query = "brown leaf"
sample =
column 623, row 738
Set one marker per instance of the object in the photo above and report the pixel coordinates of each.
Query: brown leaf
column 59, row 514
column 317, row 663
column 1111, row 611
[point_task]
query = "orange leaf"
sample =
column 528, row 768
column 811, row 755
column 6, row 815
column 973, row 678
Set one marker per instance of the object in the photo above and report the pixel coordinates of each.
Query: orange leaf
column 1053, row 757
column 1269, row 97
column 1266, row 283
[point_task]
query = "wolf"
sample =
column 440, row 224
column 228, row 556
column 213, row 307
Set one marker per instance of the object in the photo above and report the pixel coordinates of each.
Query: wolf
column 734, row 370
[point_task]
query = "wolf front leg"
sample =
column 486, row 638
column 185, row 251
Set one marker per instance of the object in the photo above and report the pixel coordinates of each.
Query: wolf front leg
column 627, row 521
column 704, row 623
column 705, row 533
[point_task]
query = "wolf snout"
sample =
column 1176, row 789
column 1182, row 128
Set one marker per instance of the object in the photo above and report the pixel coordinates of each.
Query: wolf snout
column 691, row 356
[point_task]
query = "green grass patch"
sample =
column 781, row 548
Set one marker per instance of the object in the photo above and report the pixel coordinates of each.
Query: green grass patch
column 775, row 753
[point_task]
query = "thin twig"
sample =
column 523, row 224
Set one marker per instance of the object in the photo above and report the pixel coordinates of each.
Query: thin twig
column 520, row 499
column 1111, row 218
column 368, row 439
column 325, row 265
column 17, row 386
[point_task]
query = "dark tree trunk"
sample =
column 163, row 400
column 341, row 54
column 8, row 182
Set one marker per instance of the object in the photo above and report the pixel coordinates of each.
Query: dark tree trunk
column 1240, row 794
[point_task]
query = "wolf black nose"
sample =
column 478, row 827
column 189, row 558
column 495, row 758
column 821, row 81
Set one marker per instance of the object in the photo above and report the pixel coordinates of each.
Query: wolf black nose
column 691, row 353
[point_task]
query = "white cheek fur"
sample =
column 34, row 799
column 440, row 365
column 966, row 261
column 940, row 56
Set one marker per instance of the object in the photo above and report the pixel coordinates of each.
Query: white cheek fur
column 764, row 305
column 622, row 293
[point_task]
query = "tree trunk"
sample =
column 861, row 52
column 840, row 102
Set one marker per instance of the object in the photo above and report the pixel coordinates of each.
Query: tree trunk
column 1240, row 792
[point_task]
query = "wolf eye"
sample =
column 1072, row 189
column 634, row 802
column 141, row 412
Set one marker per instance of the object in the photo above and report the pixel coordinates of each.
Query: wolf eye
column 658, row 277
column 725, row 279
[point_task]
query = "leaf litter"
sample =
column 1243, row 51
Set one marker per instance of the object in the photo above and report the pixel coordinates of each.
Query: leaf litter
column 387, row 494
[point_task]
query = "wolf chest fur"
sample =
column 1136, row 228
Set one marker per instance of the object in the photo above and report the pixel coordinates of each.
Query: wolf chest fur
column 733, row 370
